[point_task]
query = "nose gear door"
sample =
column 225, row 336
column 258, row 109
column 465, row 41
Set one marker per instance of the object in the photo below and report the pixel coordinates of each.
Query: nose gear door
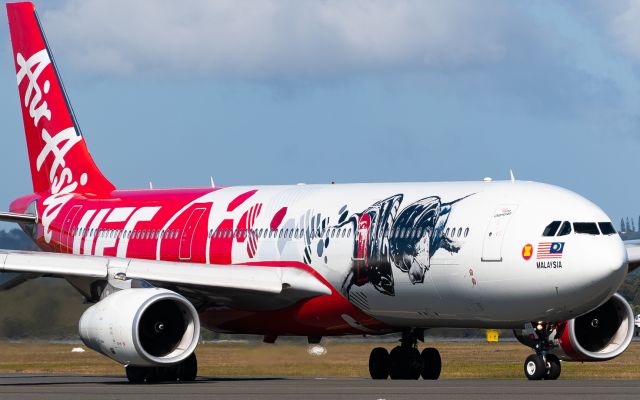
column 494, row 236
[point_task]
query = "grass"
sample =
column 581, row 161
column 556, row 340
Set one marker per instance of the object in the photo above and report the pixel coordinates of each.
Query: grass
column 460, row 360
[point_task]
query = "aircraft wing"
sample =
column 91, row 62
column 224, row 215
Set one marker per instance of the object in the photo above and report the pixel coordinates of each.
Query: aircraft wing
column 235, row 286
column 633, row 253
column 19, row 218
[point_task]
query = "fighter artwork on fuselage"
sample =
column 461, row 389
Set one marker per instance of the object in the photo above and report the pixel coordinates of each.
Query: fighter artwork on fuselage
column 387, row 235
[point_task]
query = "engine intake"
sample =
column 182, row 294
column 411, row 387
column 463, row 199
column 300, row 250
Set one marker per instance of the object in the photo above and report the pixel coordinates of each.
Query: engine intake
column 142, row 327
column 599, row 335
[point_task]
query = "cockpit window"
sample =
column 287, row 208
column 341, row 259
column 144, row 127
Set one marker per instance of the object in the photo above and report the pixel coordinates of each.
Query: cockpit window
column 551, row 229
column 589, row 228
column 606, row 228
column 565, row 229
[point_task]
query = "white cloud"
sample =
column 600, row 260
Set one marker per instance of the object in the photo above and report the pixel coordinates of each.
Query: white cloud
column 625, row 29
column 279, row 38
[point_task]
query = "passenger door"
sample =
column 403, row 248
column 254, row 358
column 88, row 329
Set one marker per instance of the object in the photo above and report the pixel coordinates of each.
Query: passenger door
column 66, row 237
column 189, row 230
column 494, row 236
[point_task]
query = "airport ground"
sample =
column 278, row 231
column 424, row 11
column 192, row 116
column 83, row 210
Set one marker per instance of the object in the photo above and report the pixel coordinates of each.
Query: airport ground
column 461, row 360
column 287, row 370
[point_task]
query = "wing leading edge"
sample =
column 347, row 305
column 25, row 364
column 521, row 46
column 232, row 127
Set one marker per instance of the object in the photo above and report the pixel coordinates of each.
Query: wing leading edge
column 228, row 285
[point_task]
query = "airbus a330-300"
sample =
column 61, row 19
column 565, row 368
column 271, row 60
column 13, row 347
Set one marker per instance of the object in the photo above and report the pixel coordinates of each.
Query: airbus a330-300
column 307, row 260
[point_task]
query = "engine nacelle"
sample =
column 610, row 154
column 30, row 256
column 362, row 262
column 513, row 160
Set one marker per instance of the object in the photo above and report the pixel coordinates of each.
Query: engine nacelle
column 599, row 335
column 142, row 327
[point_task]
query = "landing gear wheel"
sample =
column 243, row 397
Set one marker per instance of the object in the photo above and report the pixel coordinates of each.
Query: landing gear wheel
column 406, row 363
column 379, row 363
column 432, row 363
column 188, row 369
column 553, row 368
column 534, row 367
column 137, row 375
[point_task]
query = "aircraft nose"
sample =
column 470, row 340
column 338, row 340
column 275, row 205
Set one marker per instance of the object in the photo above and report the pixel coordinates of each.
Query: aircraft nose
column 613, row 261
column 602, row 268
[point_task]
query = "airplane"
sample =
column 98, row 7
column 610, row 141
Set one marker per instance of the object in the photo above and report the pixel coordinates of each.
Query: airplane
column 310, row 260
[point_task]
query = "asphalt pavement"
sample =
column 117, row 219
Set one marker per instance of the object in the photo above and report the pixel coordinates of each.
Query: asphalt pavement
column 116, row 387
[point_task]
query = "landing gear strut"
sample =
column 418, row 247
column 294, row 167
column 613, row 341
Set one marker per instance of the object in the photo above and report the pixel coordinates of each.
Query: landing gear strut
column 185, row 371
column 542, row 365
column 405, row 361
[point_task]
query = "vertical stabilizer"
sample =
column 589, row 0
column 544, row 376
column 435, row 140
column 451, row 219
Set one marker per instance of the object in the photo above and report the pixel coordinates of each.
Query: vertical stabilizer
column 59, row 160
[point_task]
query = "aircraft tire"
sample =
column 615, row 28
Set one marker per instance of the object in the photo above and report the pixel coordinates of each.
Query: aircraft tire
column 553, row 368
column 137, row 375
column 432, row 364
column 406, row 363
column 379, row 363
column 534, row 367
column 187, row 371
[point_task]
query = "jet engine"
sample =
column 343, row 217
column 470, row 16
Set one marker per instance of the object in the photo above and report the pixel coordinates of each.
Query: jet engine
column 599, row 335
column 142, row 327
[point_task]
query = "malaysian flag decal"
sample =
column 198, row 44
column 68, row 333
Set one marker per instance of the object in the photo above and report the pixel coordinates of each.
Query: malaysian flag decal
column 550, row 250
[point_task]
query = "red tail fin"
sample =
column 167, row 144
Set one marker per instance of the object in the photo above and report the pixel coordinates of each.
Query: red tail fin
column 59, row 159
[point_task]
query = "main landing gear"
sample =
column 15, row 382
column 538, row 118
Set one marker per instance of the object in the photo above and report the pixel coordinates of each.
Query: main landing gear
column 185, row 371
column 542, row 365
column 405, row 361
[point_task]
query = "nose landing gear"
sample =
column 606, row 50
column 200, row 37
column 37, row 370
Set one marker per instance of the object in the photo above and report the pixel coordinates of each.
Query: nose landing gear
column 405, row 361
column 542, row 365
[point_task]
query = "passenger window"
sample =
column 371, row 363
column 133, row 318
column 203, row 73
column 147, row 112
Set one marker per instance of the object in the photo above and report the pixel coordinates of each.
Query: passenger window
column 606, row 228
column 453, row 232
column 466, row 232
column 552, row 228
column 589, row 228
column 459, row 232
column 349, row 232
column 343, row 232
column 446, row 233
column 565, row 229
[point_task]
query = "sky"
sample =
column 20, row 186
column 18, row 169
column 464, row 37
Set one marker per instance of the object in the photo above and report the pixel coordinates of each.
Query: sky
column 288, row 91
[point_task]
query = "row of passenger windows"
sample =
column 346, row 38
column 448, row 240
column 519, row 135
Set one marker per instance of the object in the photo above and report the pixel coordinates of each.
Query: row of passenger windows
column 127, row 234
column 278, row 233
column 559, row 228
column 453, row 233
column 399, row 233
